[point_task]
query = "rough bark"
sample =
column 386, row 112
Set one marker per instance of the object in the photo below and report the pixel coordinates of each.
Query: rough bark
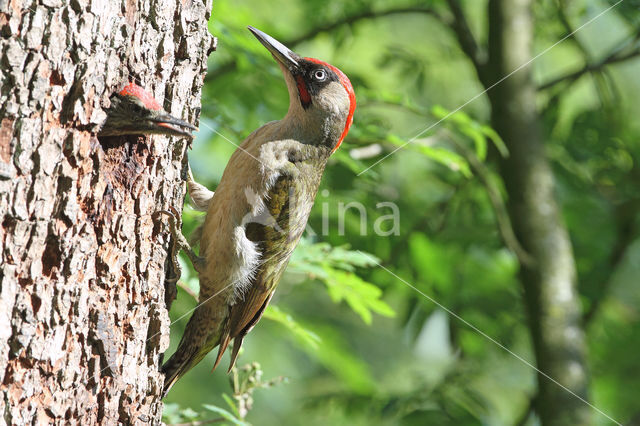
column 550, row 282
column 83, row 321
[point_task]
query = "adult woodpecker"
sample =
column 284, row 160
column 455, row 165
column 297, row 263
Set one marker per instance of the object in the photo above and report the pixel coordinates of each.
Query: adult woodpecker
column 133, row 111
column 260, row 208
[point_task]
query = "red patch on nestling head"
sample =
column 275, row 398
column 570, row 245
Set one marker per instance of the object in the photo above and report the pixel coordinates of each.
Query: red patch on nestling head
column 344, row 80
column 147, row 99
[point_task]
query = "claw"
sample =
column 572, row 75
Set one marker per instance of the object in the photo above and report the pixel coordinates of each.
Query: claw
column 180, row 242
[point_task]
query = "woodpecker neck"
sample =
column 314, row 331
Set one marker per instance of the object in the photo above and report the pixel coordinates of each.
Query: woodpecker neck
column 311, row 127
column 322, row 122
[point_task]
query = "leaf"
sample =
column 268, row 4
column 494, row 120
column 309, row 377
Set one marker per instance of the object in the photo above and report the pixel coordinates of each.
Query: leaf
column 462, row 123
column 225, row 414
column 311, row 258
column 478, row 139
column 496, row 139
column 439, row 112
column 448, row 158
column 361, row 296
column 396, row 140
column 231, row 403
column 346, row 259
column 305, row 336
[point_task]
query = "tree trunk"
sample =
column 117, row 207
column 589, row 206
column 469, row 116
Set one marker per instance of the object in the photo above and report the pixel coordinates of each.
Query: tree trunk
column 83, row 321
column 550, row 282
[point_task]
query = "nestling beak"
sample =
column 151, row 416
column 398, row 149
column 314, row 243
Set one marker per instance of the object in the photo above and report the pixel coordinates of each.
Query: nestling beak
column 174, row 126
column 133, row 111
column 280, row 52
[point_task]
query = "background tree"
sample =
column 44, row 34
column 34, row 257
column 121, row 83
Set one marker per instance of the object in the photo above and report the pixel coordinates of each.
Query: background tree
column 548, row 277
column 83, row 321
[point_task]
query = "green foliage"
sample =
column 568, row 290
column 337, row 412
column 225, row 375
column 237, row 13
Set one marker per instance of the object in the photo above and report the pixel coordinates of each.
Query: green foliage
column 335, row 267
column 173, row 413
column 477, row 132
column 224, row 414
column 361, row 296
column 244, row 381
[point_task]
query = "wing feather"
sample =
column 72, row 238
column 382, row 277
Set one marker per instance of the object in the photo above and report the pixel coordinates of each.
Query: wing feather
column 269, row 235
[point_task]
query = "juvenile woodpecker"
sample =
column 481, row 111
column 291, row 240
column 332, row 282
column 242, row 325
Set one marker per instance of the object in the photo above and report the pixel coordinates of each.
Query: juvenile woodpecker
column 134, row 111
column 260, row 208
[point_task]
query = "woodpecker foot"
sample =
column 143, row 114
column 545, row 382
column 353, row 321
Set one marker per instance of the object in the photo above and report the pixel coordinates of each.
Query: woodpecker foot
column 179, row 243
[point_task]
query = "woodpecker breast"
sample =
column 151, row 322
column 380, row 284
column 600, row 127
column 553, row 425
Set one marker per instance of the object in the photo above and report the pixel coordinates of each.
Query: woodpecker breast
column 243, row 197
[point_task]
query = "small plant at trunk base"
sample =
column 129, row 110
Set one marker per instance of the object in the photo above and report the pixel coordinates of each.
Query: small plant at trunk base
column 243, row 381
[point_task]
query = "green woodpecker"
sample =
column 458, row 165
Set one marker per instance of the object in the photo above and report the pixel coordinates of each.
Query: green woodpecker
column 260, row 209
column 133, row 111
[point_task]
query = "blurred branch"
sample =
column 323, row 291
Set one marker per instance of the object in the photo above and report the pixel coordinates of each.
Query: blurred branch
column 368, row 151
column 362, row 15
column 465, row 37
column 187, row 289
column 330, row 26
column 384, row 102
column 502, row 216
column 564, row 20
column 600, row 81
column 612, row 58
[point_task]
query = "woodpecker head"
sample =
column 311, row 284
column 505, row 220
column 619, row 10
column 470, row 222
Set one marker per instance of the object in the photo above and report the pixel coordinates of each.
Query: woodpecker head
column 133, row 111
column 320, row 95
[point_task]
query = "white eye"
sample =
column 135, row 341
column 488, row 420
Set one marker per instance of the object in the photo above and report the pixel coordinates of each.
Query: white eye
column 320, row 74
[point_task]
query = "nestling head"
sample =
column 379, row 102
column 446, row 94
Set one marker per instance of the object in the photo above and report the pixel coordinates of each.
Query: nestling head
column 320, row 95
column 134, row 111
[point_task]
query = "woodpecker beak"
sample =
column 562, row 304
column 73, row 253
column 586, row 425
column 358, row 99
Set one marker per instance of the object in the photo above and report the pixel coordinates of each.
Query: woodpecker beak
column 169, row 125
column 280, row 52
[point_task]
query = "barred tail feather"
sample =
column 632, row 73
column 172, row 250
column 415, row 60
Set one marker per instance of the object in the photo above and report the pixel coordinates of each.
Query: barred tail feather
column 172, row 374
column 223, row 346
column 195, row 344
